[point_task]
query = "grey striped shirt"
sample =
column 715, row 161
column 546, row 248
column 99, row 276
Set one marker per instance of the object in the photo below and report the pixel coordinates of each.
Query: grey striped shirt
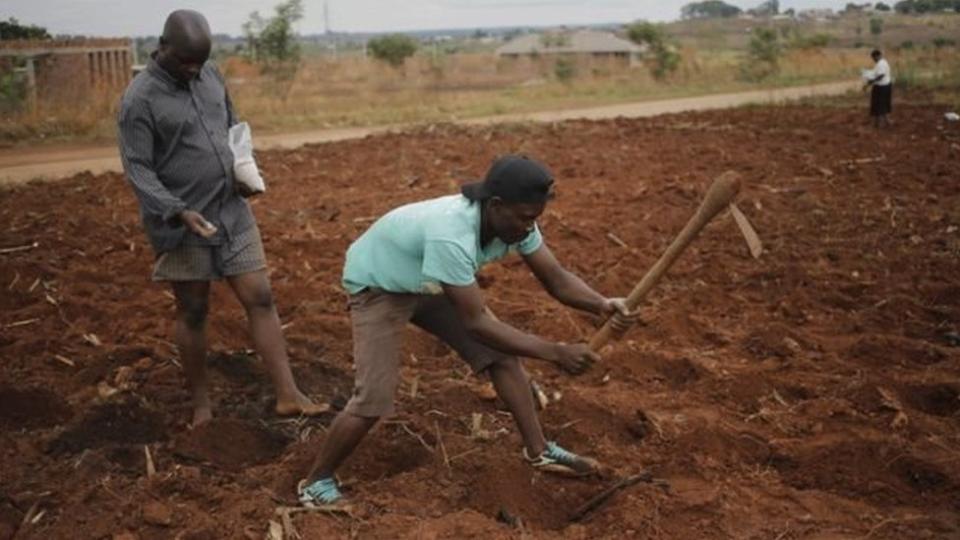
column 175, row 152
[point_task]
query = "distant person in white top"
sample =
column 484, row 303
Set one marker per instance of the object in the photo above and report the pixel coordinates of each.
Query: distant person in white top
column 881, row 95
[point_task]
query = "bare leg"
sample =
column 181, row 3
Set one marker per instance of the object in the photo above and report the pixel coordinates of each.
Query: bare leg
column 191, row 338
column 438, row 316
column 253, row 291
column 344, row 435
column 513, row 387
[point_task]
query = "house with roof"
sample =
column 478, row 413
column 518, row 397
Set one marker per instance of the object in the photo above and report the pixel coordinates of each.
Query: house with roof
column 578, row 44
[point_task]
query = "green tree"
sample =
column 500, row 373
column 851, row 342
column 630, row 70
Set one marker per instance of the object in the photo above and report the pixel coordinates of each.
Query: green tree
column 274, row 40
column 564, row 69
column 251, row 32
column 12, row 29
column 278, row 40
column 710, row 9
column 855, row 8
column 927, row 6
column 646, row 33
column 393, row 49
column 819, row 40
column 665, row 57
column 12, row 92
column 763, row 55
column 880, row 6
column 768, row 8
column 876, row 26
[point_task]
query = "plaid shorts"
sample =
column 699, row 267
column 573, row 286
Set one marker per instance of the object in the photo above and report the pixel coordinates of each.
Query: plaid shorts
column 241, row 255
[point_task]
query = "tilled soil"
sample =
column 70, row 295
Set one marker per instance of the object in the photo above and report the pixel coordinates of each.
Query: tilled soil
column 811, row 393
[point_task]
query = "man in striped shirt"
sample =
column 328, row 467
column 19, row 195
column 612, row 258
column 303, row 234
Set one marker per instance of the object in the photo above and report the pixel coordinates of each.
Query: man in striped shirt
column 173, row 125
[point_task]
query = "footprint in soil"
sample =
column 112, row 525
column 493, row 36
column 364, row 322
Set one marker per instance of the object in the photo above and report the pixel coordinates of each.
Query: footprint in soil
column 125, row 420
column 29, row 408
column 230, row 444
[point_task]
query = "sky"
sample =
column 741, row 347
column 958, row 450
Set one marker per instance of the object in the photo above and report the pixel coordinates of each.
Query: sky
column 145, row 17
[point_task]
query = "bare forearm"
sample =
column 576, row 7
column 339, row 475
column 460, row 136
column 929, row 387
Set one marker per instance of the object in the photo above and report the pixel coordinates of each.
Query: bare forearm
column 509, row 340
column 572, row 291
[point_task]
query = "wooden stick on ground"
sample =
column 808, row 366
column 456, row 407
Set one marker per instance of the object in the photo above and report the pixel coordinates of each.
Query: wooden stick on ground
column 443, row 448
column 22, row 323
column 4, row 251
column 289, row 531
column 64, row 360
column 418, row 437
column 151, row 468
column 617, row 240
column 291, row 510
column 598, row 500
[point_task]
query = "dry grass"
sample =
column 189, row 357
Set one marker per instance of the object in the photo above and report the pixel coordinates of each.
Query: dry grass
column 847, row 31
column 91, row 117
column 324, row 92
column 357, row 91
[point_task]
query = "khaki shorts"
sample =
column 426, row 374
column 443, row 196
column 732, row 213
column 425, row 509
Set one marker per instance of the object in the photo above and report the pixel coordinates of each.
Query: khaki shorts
column 379, row 320
column 241, row 255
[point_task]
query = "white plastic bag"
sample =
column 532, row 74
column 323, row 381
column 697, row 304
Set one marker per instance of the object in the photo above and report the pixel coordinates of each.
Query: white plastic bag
column 951, row 117
column 868, row 74
column 244, row 167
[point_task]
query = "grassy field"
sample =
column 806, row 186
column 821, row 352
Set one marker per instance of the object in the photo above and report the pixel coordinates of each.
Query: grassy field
column 852, row 31
column 319, row 97
column 323, row 91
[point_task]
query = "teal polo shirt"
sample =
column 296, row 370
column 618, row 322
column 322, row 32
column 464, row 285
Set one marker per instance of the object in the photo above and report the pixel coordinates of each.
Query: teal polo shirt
column 416, row 247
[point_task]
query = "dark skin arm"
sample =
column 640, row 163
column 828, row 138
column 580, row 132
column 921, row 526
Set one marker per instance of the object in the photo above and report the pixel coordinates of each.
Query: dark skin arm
column 468, row 301
column 568, row 289
column 196, row 223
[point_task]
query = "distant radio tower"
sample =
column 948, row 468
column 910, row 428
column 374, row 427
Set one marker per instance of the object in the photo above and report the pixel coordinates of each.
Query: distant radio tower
column 326, row 18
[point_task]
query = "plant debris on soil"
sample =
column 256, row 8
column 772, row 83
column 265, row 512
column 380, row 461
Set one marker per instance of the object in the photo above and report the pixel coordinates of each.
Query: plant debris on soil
column 811, row 393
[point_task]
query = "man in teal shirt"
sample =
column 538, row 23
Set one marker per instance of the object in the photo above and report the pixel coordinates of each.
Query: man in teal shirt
column 418, row 263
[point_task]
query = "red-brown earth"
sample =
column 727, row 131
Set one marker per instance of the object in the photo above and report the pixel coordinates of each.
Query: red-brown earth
column 811, row 393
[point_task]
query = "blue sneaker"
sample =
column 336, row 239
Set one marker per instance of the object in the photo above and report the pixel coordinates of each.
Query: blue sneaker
column 557, row 460
column 323, row 494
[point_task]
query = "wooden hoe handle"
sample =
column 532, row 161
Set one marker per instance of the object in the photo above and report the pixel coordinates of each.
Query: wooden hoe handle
column 719, row 196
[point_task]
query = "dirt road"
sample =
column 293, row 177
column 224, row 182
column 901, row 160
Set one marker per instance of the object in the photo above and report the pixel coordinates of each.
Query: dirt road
column 20, row 165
